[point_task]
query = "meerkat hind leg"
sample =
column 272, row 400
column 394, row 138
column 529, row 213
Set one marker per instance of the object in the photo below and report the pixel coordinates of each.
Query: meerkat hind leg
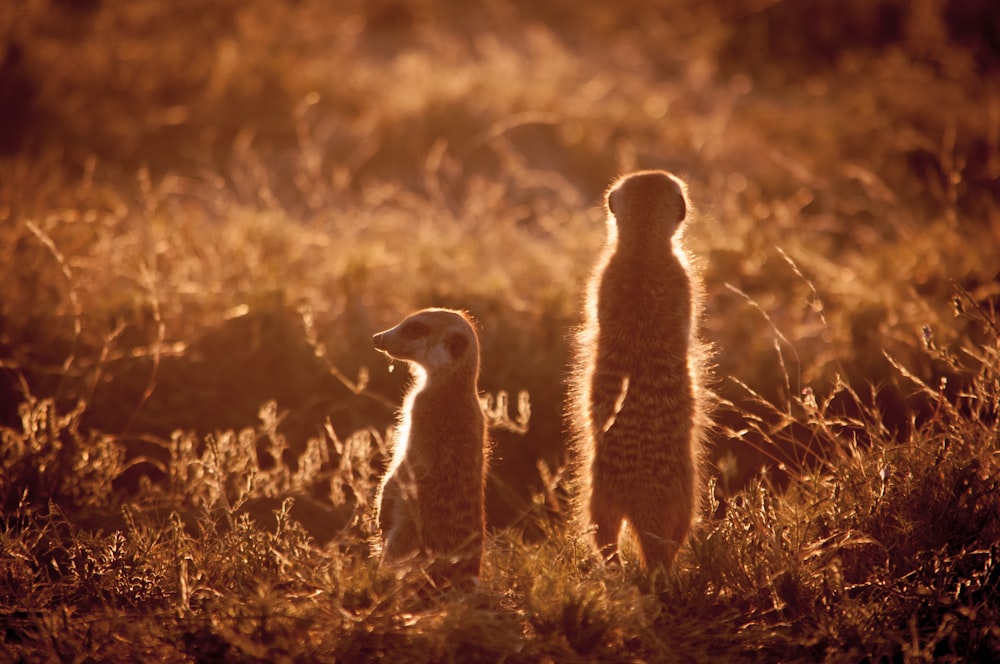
column 659, row 537
column 403, row 540
column 607, row 519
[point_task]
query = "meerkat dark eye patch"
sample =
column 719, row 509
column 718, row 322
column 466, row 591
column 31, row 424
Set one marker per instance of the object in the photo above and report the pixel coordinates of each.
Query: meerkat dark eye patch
column 457, row 343
column 414, row 330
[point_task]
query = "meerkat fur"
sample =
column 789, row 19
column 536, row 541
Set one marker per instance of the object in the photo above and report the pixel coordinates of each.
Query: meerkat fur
column 430, row 502
column 637, row 407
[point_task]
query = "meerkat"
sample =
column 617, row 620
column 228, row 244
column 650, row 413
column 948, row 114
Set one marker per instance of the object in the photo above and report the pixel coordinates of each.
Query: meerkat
column 430, row 501
column 635, row 405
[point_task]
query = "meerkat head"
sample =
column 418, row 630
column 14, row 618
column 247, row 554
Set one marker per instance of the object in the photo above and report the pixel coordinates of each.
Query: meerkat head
column 438, row 340
column 646, row 202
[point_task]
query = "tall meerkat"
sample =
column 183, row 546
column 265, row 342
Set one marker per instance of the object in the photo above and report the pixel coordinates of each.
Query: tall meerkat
column 431, row 498
column 636, row 410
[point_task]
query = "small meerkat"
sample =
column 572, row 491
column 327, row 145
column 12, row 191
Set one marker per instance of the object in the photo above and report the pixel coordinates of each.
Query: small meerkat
column 431, row 498
column 635, row 403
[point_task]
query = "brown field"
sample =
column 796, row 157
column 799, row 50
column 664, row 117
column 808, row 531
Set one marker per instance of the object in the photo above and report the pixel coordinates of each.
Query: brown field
column 206, row 210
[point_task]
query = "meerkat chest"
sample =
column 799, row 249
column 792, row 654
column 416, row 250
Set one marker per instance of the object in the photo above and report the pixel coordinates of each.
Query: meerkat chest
column 445, row 422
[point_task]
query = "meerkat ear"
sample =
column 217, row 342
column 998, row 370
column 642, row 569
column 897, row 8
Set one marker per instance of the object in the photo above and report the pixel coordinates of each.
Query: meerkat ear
column 681, row 210
column 611, row 202
column 457, row 343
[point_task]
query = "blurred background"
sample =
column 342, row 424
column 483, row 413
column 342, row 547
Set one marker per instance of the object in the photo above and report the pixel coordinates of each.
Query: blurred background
column 207, row 207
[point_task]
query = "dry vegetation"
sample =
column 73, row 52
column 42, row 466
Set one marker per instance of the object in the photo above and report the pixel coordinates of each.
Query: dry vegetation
column 205, row 212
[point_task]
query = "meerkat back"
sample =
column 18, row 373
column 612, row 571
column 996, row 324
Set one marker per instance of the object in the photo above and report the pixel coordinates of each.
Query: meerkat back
column 634, row 410
column 431, row 499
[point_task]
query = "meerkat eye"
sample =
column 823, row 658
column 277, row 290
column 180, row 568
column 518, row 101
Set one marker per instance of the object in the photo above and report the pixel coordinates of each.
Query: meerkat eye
column 414, row 330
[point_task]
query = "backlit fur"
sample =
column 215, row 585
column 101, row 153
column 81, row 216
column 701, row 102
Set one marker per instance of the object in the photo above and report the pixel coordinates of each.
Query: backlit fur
column 636, row 409
column 431, row 499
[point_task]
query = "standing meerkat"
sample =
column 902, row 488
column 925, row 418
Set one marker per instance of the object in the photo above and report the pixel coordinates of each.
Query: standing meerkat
column 431, row 498
column 635, row 399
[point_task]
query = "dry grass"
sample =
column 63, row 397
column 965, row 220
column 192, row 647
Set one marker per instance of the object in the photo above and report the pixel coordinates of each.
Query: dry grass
column 206, row 212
